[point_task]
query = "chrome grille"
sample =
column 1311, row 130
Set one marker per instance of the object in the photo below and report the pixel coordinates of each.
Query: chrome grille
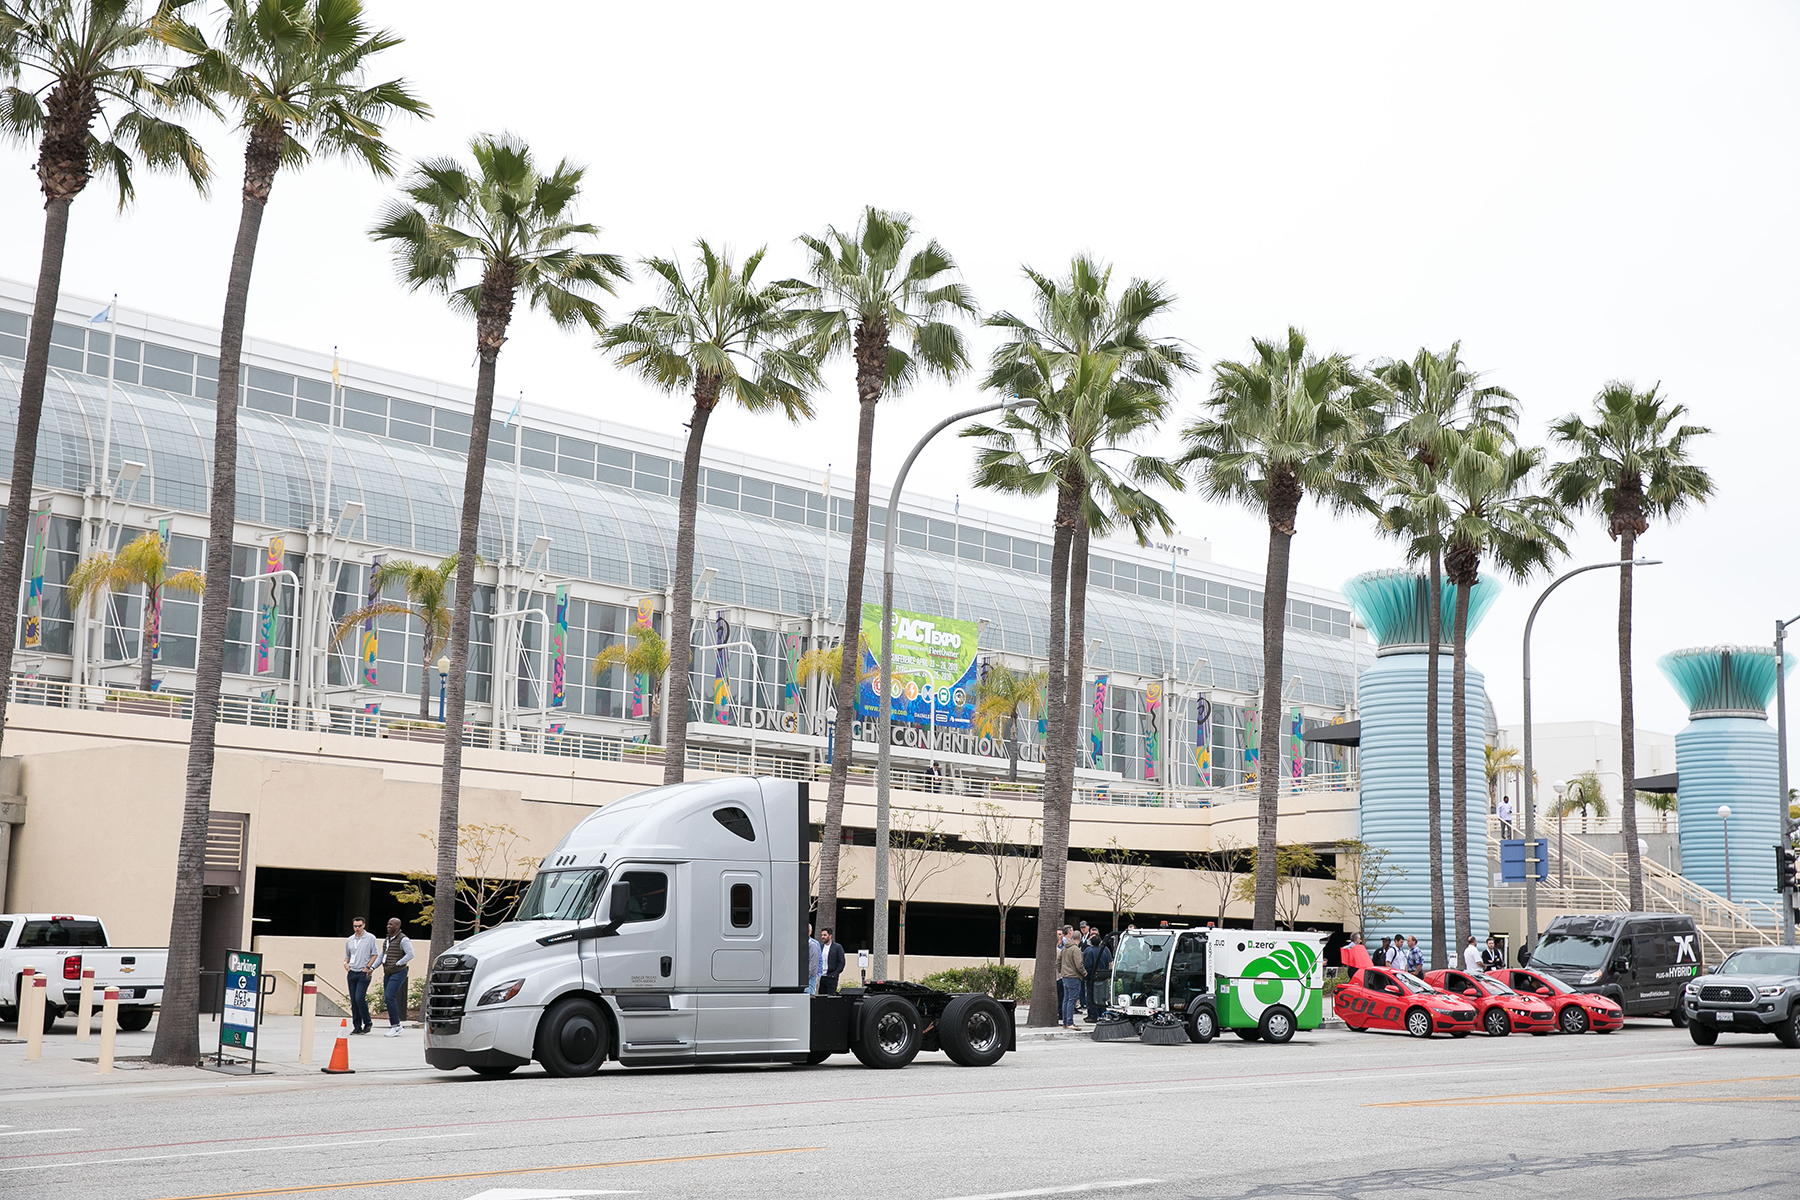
column 1729, row 995
column 448, row 993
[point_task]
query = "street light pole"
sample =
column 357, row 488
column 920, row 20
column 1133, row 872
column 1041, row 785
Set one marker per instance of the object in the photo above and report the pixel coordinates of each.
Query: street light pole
column 884, row 718
column 1528, row 789
column 1725, row 827
column 1787, row 822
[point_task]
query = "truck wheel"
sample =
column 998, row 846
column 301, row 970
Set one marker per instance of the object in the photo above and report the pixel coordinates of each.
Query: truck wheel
column 1703, row 1035
column 1574, row 1019
column 51, row 1012
column 1277, row 1024
column 1677, row 1017
column 1788, row 1032
column 572, row 1038
column 973, row 1031
column 1248, row 1035
column 1418, row 1023
column 890, row 1033
column 1203, row 1024
column 1497, row 1023
column 135, row 1020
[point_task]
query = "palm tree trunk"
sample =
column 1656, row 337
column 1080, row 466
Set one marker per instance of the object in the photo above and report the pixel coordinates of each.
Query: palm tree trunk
column 1284, row 504
column 871, row 367
column 681, row 587
column 178, row 1024
column 144, row 661
column 425, row 678
column 1434, row 784
column 25, row 439
column 1012, row 755
column 1628, row 826
column 1059, row 755
column 1459, row 765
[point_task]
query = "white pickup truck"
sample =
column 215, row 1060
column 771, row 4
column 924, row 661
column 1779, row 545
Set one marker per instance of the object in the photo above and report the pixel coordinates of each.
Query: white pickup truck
column 60, row 947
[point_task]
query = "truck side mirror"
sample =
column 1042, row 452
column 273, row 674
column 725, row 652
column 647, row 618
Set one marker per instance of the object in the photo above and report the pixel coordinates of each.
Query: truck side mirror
column 615, row 912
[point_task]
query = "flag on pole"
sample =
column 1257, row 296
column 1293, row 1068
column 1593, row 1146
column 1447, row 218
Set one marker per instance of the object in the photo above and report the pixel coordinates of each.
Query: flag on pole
column 790, row 653
column 1097, row 735
column 1153, row 703
column 1252, row 746
column 559, row 646
column 371, row 640
column 1297, row 732
column 514, row 414
column 721, row 688
column 270, row 608
column 162, row 540
column 640, row 684
column 101, row 317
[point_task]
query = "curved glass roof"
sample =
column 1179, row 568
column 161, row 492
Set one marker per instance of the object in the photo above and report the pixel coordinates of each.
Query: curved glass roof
column 411, row 494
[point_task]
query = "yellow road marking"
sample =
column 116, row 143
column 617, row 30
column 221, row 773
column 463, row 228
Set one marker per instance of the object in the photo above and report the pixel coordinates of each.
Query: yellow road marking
column 1544, row 1097
column 634, row 1162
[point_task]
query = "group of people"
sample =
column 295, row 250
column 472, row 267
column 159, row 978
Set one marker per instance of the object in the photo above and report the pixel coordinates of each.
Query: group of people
column 824, row 963
column 1402, row 953
column 1083, row 965
column 362, row 951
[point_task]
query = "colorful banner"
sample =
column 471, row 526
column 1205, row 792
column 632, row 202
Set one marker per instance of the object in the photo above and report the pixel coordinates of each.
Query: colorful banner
column 1297, row 745
column 1202, row 751
column 1153, row 705
column 270, row 608
column 721, row 686
column 1097, row 734
column 640, row 684
column 559, row 646
column 790, row 654
column 162, row 539
column 933, row 669
column 1252, row 746
column 34, row 600
column 370, row 639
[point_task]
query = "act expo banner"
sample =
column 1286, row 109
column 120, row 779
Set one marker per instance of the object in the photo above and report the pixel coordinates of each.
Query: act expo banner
column 934, row 661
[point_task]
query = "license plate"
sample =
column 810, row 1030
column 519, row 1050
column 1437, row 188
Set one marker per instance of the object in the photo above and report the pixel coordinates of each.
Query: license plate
column 1724, row 1016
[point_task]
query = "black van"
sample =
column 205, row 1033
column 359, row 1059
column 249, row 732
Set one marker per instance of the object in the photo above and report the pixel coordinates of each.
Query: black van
column 1640, row 960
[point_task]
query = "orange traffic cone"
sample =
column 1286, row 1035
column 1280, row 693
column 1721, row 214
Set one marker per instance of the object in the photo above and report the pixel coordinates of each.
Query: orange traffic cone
column 340, row 1053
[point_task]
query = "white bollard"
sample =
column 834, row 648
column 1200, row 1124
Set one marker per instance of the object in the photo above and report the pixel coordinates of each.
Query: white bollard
column 309, row 1009
column 109, row 1029
column 31, row 1016
column 84, row 1019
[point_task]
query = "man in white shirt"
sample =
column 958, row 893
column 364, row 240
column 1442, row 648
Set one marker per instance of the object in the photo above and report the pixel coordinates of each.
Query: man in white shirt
column 1472, row 957
column 1504, row 811
column 359, row 954
column 815, row 962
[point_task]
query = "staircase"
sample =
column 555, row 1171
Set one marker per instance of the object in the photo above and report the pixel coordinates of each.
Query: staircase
column 1596, row 882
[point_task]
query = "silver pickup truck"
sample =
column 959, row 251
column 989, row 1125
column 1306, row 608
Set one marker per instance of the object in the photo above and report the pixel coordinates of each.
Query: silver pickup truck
column 60, row 947
column 1753, row 991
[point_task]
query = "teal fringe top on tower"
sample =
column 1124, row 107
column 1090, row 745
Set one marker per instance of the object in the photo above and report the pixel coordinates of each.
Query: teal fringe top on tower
column 1721, row 679
column 1393, row 605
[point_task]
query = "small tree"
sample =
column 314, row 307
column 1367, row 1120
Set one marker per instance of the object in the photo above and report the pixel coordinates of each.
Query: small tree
column 1292, row 861
column 1012, row 696
column 1500, row 761
column 488, row 874
column 918, row 848
column 1363, row 874
column 1121, row 878
column 1015, row 863
column 143, row 563
column 1584, row 794
column 428, row 594
column 644, row 652
column 1220, row 869
column 1662, row 804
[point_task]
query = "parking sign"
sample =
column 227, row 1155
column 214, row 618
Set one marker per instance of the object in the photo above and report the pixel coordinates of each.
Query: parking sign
column 243, row 981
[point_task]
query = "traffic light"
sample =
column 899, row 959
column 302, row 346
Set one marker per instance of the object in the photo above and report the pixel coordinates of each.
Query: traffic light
column 1784, row 869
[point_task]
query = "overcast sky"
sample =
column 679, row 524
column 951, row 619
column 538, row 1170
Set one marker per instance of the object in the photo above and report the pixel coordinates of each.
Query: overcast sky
column 1577, row 193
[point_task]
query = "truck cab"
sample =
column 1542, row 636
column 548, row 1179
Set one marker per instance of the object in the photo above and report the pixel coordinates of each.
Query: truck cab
column 670, row 927
column 1641, row 961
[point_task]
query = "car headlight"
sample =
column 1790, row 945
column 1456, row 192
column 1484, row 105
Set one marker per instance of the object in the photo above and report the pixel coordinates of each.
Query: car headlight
column 501, row 994
column 1591, row 977
column 1770, row 991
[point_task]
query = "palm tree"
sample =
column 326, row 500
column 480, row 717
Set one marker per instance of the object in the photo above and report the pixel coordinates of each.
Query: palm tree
column 143, row 563
column 511, row 226
column 1072, row 440
column 1631, row 464
column 1284, row 426
column 643, row 652
column 1429, row 399
column 875, row 289
column 1012, row 696
column 1491, row 514
column 85, row 63
column 293, row 71
column 720, row 335
column 1660, row 803
column 1584, row 795
column 1498, row 762
column 428, row 591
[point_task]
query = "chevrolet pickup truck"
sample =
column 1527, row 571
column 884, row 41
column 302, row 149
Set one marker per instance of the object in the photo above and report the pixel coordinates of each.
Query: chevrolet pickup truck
column 60, row 947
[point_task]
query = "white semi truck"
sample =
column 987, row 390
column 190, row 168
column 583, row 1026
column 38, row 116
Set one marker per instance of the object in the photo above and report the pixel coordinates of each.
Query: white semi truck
column 670, row 927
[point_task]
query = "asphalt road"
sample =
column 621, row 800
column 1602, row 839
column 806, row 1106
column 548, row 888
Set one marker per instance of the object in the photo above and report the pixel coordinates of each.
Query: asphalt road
column 1641, row 1113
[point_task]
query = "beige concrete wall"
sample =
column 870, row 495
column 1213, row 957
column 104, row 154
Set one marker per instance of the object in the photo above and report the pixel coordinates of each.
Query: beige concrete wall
column 105, row 798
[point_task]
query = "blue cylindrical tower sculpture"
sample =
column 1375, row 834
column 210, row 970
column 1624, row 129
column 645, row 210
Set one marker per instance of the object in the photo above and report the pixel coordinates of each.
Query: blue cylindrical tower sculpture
column 1727, row 756
column 1391, row 752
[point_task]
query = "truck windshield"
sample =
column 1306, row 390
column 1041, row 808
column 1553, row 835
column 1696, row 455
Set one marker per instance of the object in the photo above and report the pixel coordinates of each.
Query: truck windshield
column 562, row 895
column 63, row 932
column 1571, row 950
column 1139, row 967
column 1761, row 962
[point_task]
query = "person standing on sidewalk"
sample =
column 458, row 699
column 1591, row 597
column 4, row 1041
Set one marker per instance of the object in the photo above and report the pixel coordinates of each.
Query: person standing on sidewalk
column 359, row 952
column 1068, row 976
column 815, row 962
column 1099, row 978
column 396, row 952
column 833, row 962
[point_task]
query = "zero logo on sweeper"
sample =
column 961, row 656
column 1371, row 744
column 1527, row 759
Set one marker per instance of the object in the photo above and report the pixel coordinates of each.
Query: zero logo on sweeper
column 1278, row 977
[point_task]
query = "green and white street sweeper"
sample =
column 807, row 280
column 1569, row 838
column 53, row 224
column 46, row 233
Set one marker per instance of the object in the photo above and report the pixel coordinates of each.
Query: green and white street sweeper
column 1256, row 983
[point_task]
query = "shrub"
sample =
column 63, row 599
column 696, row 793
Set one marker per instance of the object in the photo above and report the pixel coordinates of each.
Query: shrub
column 998, row 980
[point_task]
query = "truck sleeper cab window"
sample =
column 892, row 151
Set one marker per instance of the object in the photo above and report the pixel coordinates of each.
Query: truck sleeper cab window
column 742, row 910
column 737, row 821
